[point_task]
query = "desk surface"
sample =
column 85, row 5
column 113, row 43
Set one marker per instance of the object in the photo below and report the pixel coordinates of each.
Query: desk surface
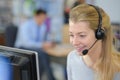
column 60, row 50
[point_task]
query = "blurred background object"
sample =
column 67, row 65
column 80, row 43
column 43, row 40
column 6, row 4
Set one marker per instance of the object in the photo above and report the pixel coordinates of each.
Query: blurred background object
column 15, row 12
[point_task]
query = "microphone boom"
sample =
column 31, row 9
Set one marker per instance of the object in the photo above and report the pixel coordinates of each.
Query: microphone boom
column 84, row 52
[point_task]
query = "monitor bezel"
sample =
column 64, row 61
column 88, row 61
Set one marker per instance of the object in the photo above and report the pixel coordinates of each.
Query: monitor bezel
column 22, row 51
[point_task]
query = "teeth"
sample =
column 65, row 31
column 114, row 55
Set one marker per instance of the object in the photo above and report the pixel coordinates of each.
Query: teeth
column 79, row 47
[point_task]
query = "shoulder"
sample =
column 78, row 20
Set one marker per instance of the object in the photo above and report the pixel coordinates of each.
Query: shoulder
column 72, row 55
column 28, row 22
column 26, row 25
column 117, row 76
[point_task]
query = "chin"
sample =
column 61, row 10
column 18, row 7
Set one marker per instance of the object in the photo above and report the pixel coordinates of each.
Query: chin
column 80, row 53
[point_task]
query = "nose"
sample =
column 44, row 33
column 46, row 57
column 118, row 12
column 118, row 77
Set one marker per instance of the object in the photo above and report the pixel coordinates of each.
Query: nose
column 75, row 41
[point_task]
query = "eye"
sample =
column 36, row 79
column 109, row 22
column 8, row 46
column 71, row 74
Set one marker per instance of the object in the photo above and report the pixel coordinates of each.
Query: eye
column 71, row 35
column 82, row 36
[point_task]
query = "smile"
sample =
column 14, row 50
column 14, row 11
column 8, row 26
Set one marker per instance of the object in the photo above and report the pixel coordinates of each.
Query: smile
column 80, row 49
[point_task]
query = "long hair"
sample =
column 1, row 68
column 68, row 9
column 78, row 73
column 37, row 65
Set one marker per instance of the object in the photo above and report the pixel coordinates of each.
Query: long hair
column 109, row 62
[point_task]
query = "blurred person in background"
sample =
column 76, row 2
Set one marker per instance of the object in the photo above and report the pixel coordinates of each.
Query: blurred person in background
column 72, row 4
column 55, row 11
column 94, row 57
column 34, row 35
column 78, row 2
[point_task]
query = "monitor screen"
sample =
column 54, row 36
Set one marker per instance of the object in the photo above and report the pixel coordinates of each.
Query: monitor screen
column 18, row 64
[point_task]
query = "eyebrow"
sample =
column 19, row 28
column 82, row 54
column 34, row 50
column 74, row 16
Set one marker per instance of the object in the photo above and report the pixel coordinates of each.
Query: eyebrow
column 78, row 32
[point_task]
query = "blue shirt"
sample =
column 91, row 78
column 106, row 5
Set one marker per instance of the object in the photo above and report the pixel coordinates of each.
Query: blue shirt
column 28, row 35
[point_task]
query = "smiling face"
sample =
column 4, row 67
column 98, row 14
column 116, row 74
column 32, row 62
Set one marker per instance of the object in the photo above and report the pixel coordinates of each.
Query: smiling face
column 81, row 36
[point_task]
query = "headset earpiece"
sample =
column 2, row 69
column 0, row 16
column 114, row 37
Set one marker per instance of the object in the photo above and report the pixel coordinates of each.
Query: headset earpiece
column 99, row 34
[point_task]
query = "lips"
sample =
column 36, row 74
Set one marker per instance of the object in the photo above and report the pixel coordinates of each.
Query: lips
column 80, row 49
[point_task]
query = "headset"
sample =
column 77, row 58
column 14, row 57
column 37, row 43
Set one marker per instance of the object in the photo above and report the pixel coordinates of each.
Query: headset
column 99, row 33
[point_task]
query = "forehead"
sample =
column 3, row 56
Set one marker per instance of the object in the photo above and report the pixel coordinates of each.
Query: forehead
column 40, row 15
column 81, row 26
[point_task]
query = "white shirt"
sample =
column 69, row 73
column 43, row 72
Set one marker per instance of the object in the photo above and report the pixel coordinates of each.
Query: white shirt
column 78, row 70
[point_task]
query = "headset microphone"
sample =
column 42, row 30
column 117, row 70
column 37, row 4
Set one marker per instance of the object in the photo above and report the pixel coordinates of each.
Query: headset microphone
column 84, row 52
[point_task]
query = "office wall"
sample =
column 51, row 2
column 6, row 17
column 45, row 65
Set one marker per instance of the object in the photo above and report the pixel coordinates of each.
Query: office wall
column 112, row 7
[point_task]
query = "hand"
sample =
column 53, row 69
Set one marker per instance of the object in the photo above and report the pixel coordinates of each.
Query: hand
column 48, row 45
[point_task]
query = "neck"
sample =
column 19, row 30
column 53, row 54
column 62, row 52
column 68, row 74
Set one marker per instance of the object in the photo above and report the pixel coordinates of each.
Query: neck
column 93, row 55
column 37, row 21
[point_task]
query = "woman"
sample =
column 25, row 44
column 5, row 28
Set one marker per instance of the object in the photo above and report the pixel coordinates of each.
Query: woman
column 94, row 57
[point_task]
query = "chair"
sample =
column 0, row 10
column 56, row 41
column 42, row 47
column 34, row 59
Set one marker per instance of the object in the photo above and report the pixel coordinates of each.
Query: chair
column 10, row 35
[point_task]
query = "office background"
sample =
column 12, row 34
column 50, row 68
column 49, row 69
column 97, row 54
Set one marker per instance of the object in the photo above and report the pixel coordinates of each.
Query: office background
column 15, row 12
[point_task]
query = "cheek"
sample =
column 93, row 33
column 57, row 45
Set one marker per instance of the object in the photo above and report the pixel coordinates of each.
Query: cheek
column 79, row 41
column 90, row 41
column 71, row 40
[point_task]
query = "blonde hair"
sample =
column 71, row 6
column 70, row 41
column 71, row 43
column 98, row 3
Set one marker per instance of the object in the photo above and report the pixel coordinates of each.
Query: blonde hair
column 109, row 62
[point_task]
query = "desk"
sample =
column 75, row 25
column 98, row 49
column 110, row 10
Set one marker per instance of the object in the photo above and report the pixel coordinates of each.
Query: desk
column 60, row 50
column 59, row 53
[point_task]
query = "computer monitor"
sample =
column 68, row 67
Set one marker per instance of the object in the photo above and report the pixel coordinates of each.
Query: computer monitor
column 19, row 64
